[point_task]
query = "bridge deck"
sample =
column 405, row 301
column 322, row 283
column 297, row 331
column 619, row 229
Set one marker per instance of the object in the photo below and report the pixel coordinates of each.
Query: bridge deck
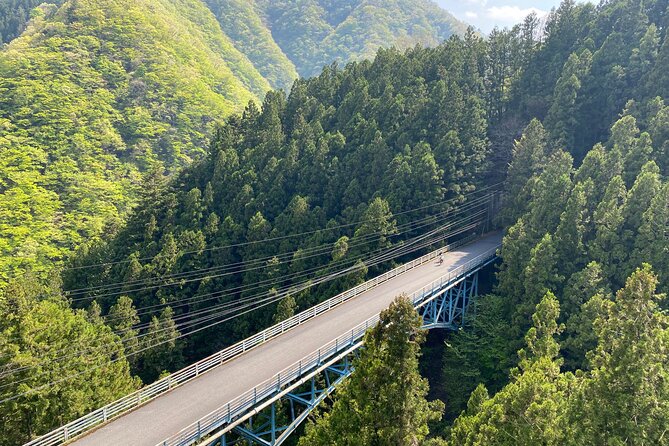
column 166, row 415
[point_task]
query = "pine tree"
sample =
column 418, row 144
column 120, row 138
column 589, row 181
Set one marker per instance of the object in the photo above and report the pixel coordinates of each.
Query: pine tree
column 542, row 274
column 285, row 309
column 607, row 248
column 572, row 230
column 377, row 225
column 652, row 243
column 550, row 193
column 529, row 158
column 123, row 319
column 161, row 347
column 646, row 187
column 584, row 294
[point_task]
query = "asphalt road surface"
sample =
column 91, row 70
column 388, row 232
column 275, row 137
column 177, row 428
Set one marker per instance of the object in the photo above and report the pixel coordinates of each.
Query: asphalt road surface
column 168, row 414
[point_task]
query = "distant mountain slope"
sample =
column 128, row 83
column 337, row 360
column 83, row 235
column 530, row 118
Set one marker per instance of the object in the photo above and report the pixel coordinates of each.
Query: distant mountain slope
column 286, row 37
column 240, row 20
column 313, row 33
column 95, row 92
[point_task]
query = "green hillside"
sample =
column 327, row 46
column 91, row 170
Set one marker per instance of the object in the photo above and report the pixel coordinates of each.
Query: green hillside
column 313, row 33
column 94, row 93
column 240, row 20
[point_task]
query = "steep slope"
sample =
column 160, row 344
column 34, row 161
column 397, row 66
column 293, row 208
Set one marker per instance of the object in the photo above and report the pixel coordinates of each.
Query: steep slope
column 313, row 33
column 240, row 21
column 93, row 93
column 352, row 145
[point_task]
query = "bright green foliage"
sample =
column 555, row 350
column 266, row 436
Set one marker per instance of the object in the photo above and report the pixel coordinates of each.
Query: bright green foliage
column 85, row 108
column 285, row 309
column 313, row 33
column 511, row 276
column 562, row 117
column 57, row 363
column 377, row 224
column 243, row 23
column 384, row 402
column 122, row 318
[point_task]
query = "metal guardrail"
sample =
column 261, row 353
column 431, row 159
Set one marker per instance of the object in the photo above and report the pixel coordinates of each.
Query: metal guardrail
column 245, row 402
column 66, row 433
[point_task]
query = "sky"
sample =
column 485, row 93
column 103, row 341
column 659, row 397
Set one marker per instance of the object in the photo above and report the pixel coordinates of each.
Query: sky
column 486, row 14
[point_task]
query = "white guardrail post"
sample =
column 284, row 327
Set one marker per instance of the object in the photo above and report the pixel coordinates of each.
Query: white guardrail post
column 152, row 391
column 241, row 403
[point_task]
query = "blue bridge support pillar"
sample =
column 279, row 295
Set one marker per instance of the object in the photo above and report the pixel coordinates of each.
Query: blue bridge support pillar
column 448, row 308
column 275, row 424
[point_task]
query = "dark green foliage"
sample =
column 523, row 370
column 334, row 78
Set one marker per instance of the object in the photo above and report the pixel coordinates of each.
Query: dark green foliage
column 15, row 14
column 384, row 402
column 578, row 236
column 351, row 147
column 528, row 410
column 57, row 362
column 622, row 399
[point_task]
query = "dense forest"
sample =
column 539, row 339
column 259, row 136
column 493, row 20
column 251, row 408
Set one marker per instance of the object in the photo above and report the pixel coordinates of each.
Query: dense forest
column 96, row 94
column 80, row 125
column 302, row 196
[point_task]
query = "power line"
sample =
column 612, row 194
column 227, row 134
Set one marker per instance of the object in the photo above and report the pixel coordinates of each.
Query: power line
column 242, row 288
column 253, row 307
column 187, row 275
column 284, row 237
column 286, row 290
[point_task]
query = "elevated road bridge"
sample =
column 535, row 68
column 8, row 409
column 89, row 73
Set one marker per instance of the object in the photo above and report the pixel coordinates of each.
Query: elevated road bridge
column 298, row 361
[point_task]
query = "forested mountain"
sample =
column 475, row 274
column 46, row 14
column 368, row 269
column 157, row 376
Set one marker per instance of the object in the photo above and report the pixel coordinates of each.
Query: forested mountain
column 85, row 108
column 287, row 37
column 346, row 146
column 313, row 33
column 334, row 161
column 96, row 92
column 571, row 346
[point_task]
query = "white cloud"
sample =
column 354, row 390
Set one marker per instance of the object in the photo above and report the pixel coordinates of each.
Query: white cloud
column 477, row 2
column 471, row 15
column 512, row 14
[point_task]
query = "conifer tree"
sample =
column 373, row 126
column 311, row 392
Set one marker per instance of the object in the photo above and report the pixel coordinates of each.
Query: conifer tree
column 530, row 410
column 529, row 158
column 384, row 402
column 625, row 399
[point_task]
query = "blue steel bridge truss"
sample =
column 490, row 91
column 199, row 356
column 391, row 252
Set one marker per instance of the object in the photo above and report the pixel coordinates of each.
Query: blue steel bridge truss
column 445, row 306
